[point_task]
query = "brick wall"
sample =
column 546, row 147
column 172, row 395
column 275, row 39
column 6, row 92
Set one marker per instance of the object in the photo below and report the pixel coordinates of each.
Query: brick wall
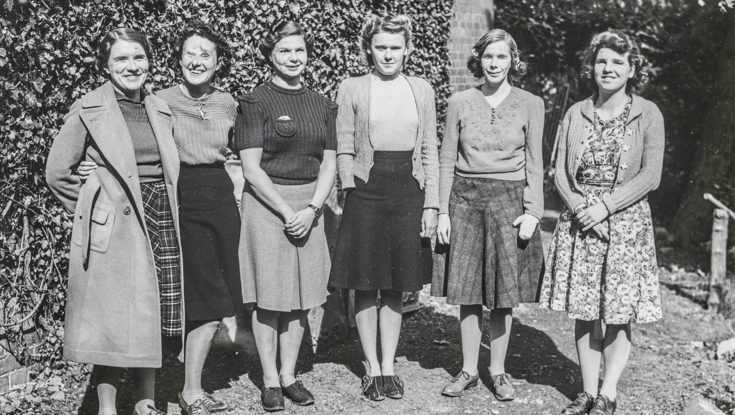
column 12, row 374
column 472, row 18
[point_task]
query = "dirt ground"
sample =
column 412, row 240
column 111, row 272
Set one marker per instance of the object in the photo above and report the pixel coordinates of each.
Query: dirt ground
column 672, row 361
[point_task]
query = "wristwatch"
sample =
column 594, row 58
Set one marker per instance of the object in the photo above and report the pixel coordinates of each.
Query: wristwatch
column 317, row 209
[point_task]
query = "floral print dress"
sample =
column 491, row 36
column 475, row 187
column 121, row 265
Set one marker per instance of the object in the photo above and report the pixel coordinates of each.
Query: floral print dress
column 589, row 277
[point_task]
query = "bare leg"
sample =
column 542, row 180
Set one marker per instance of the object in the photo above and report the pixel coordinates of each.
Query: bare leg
column 198, row 343
column 501, row 320
column 106, row 380
column 366, row 318
column 588, row 335
column 145, row 388
column 616, row 351
column 291, row 328
column 265, row 332
column 390, row 328
column 470, row 326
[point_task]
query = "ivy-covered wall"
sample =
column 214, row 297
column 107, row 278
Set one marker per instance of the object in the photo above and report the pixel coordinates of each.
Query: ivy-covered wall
column 47, row 60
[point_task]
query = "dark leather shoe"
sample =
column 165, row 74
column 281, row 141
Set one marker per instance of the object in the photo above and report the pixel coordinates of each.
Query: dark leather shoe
column 298, row 394
column 194, row 408
column 392, row 387
column 372, row 387
column 460, row 383
column 272, row 399
column 603, row 406
column 581, row 405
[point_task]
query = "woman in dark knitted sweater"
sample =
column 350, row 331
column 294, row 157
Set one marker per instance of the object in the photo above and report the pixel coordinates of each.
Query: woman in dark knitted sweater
column 285, row 134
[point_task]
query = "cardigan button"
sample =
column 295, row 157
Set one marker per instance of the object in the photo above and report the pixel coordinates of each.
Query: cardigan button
column 126, row 211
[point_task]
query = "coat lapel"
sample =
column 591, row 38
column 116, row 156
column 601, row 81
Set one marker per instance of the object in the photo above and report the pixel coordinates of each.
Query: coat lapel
column 109, row 132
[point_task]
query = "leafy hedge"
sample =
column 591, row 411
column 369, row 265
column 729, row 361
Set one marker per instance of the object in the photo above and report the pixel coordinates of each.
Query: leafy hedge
column 47, row 52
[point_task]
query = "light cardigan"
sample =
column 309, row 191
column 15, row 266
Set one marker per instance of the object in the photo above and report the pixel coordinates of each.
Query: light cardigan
column 354, row 150
column 641, row 161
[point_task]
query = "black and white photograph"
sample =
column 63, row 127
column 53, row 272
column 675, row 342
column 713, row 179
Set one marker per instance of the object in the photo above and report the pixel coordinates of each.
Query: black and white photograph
column 401, row 207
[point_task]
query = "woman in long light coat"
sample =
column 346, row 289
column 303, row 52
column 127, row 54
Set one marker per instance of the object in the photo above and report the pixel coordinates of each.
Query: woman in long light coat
column 124, row 288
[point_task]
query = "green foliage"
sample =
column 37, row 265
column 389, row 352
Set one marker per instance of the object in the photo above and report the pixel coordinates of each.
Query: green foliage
column 47, row 60
column 681, row 38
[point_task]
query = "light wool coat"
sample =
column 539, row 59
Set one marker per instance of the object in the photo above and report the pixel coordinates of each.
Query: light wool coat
column 112, row 310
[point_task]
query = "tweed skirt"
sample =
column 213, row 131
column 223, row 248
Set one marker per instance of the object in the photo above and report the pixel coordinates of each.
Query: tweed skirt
column 210, row 234
column 278, row 272
column 379, row 246
column 162, row 234
column 486, row 263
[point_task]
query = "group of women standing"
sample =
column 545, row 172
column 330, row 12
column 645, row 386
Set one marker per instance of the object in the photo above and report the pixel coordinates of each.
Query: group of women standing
column 158, row 247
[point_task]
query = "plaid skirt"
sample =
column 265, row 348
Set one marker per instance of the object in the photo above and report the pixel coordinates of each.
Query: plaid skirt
column 486, row 263
column 162, row 234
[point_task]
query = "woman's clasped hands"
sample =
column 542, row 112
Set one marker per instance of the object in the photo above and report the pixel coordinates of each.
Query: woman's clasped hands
column 298, row 224
column 592, row 217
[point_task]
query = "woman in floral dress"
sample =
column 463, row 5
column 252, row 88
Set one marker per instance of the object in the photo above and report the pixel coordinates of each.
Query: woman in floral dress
column 601, row 266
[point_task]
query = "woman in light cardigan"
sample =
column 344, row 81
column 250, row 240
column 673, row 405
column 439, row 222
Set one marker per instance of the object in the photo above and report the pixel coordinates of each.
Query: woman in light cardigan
column 602, row 266
column 387, row 161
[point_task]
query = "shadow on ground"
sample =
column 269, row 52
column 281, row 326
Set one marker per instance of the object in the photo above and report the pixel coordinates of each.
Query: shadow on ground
column 429, row 338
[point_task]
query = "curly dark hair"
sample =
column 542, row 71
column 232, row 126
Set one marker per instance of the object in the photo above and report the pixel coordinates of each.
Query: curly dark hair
column 280, row 31
column 622, row 44
column 201, row 29
column 399, row 24
column 474, row 63
column 121, row 33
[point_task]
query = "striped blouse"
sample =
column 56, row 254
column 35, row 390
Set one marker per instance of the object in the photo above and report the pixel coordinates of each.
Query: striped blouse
column 202, row 126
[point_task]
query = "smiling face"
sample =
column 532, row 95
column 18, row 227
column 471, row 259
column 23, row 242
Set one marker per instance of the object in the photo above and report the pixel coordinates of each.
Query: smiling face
column 388, row 51
column 198, row 60
column 612, row 70
column 128, row 66
column 496, row 61
column 289, row 57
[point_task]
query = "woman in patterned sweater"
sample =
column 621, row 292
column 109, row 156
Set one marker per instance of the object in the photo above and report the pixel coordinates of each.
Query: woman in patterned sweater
column 490, row 182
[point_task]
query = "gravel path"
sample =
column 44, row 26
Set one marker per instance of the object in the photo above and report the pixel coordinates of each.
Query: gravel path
column 671, row 362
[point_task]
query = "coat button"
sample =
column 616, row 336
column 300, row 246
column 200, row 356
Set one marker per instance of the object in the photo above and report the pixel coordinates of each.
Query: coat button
column 126, row 211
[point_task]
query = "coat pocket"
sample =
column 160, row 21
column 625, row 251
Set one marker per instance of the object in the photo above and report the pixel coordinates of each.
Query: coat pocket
column 103, row 220
column 87, row 195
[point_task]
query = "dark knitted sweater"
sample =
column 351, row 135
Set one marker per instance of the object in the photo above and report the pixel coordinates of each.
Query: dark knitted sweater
column 293, row 127
column 145, row 145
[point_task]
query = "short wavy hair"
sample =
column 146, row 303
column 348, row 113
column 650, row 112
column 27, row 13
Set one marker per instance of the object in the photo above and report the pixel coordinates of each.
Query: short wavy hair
column 398, row 24
column 121, row 33
column 474, row 62
column 622, row 44
column 206, row 31
column 282, row 30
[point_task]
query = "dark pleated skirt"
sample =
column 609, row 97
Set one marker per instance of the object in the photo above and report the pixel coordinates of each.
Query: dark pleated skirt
column 379, row 246
column 210, row 232
column 486, row 262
